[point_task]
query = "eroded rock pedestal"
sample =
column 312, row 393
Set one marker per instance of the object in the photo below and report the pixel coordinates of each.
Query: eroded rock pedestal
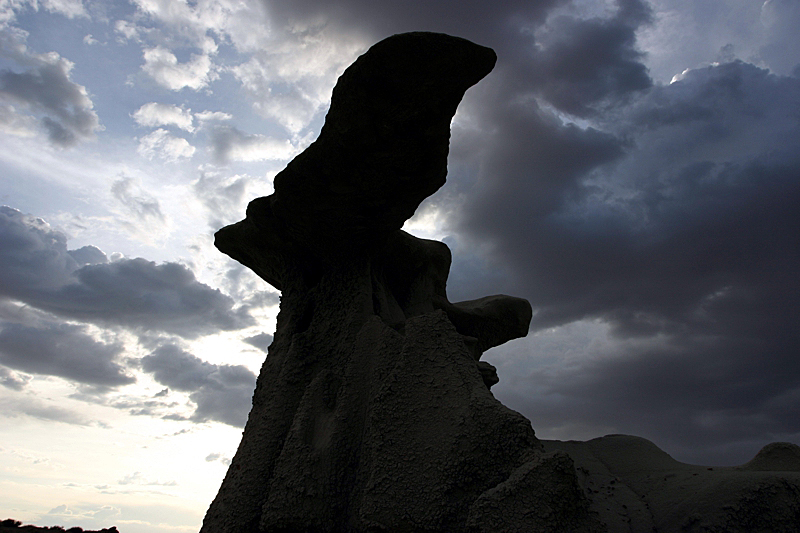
column 372, row 411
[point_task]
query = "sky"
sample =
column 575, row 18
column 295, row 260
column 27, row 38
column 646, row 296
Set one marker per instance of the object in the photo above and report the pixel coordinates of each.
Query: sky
column 631, row 167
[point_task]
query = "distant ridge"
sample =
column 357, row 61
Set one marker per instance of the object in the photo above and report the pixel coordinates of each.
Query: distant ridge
column 10, row 525
column 636, row 487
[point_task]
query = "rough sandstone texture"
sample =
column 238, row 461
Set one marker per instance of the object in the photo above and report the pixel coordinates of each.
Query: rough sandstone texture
column 372, row 411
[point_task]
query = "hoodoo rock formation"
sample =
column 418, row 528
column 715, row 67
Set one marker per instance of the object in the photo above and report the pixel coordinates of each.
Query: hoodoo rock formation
column 372, row 411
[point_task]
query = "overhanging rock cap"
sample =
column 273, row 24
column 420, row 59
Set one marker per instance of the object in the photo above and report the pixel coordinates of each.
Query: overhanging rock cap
column 382, row 150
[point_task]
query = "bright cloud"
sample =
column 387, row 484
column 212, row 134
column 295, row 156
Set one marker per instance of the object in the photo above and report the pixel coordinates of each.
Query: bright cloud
column 144, row 206
column 155, row 114
column 205, row 116
column 15, row 123
column 68, row 8
column 13, row 380
column 243, row 23
column 163, row 145
column 163, row 66
column 127, row 29
column 222, row 195
column 291, row 82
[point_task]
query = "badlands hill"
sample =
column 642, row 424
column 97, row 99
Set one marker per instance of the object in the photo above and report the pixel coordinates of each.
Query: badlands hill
column 634, row 486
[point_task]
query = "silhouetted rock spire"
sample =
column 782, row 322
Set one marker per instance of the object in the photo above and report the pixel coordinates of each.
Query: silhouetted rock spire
column 372, row 411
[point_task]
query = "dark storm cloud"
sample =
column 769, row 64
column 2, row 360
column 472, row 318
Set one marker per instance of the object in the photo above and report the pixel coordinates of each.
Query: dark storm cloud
column 705, row 399
column 668, row 213
column 32, row 255
column 530, row 164
column 583, row 62
column 694, row 211
column 260, row 341
column 45, row 87
column 586, row 63
column 683, row 237
column 143, row 295
column 221, row 392
column 62, row 350
column 472, row 19
column 37, row 269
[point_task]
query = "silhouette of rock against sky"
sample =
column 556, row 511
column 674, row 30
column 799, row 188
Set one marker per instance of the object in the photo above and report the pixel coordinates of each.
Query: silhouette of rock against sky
column 372, row 411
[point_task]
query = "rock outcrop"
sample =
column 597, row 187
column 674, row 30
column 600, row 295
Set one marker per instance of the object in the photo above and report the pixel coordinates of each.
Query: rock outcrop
column 372, row 411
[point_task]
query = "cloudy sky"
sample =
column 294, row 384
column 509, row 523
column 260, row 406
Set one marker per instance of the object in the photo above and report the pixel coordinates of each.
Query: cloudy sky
column 631, row 167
